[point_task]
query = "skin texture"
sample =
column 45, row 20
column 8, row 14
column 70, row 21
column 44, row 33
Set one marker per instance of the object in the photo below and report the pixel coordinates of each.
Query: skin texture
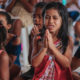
column 77, row 28
column 4, row 66
column 38, row 23
column 12, row 57
column 52, row 21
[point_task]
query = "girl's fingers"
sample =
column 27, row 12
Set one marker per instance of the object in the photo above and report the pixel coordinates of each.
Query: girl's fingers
column 36, row 30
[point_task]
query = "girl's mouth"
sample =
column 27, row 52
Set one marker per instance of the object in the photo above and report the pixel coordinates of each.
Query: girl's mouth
column 50, row 27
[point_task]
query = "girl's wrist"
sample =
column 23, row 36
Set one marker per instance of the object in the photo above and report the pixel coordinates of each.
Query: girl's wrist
column 44, row 49
column 52, row 47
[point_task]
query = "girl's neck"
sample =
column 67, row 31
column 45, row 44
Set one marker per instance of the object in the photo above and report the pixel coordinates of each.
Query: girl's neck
column 54, row 37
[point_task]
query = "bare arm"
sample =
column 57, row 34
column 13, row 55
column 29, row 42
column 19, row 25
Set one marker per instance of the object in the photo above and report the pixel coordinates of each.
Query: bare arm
column 9, row 7
column 73, row 2
column 64, row 60
column 38, row 55
column 27, row 5
column 17, row 25
column 33, row 2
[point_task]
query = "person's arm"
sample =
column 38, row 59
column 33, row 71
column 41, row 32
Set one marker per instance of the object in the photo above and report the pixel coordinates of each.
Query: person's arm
column 64, row 60
column 75, row 76
column 76, row 3
column 4, row 66
column 38, row 55
column 69, row 4
column 34, row 32
column 10, row 6
column 33, row 2
column 17, row 25
column 27, row 5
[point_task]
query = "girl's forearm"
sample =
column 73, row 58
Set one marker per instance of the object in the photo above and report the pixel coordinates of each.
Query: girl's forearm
column 62, row 59
column 37, row 59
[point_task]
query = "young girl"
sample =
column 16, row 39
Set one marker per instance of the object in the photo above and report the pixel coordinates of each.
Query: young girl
column 36, row 30
column 52, row 56
column 4, row 59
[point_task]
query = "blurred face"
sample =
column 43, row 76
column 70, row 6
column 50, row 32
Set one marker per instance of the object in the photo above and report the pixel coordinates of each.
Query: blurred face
column 37, row 18
column 2, row 1
column 4, row 22
column 52, row 20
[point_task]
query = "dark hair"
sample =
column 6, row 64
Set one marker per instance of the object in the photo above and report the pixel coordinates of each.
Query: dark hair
column 39, row 5
column 3, row 35
column 8, row 17
column 63, row 32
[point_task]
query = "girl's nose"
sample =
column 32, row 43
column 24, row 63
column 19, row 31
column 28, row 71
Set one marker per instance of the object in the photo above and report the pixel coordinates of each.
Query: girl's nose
column 51, row 21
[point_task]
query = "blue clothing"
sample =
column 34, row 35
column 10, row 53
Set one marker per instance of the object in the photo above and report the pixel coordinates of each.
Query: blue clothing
column 14, row 50
column 74, row 15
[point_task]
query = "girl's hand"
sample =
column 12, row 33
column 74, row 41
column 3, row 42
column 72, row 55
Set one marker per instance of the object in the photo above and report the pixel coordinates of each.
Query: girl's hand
column 45, row 41
column 50, row 39
column 35, row 31
column 34, row 41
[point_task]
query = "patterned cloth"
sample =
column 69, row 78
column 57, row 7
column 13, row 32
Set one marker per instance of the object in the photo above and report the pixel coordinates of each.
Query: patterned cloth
column 50, row 69
column 49, row 73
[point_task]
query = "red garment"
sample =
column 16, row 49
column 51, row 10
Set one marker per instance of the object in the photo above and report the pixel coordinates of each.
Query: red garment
column 56, row 72
column 59, row 73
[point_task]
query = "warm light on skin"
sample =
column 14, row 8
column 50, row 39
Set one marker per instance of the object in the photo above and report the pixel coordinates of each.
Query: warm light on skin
column 37, row 18
column 52, row 20
column 77, row 28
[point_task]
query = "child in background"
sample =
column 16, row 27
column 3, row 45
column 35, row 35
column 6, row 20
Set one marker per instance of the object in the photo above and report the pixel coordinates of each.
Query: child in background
column 38, row 24
column 76, row 58
column 4, row 59
column 13, row 46
column 52, row 55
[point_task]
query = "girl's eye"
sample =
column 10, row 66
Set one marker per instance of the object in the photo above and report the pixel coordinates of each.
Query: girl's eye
column 54, row 17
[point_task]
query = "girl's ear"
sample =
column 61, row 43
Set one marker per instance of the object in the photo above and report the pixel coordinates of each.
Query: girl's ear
column 9, row 26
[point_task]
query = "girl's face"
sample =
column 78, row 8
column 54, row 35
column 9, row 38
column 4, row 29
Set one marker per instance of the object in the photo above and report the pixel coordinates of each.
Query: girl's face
column 52, row 20
column 37, row 18
column 4, row 22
